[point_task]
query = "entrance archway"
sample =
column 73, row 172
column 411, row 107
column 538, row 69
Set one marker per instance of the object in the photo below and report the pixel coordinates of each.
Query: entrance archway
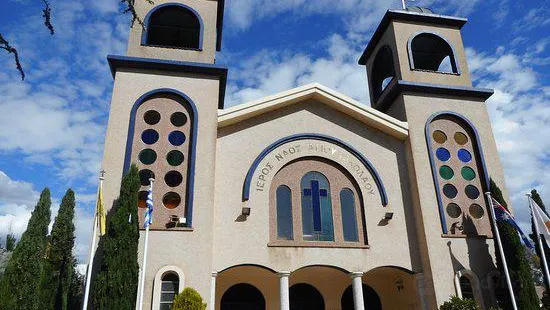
column 243, row 296
column 305, row 297
column 371, row 300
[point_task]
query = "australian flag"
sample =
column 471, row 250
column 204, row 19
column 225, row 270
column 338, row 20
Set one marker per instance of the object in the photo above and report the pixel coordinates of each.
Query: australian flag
column 149, row 211
column 503, row 215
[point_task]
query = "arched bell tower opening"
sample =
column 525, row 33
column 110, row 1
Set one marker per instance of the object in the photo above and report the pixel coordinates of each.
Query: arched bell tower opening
column 173, row 25
column 431, row 52
column 383, row 71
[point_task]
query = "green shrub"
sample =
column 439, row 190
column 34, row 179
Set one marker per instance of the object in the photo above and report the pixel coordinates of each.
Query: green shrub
column 189, row 299
column 456, row 303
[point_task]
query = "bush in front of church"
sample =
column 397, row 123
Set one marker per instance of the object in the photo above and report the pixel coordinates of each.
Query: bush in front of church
column 456, row 303
column 189, row 299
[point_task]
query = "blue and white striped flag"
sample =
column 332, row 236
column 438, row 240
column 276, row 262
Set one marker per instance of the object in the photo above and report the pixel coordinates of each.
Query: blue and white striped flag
column 149, row 211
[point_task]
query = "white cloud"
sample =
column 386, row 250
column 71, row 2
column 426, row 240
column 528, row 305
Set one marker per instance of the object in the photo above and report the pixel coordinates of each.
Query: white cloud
column 16, row 192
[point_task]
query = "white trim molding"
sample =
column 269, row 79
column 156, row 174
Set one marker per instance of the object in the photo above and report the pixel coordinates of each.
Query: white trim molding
column 157, row 284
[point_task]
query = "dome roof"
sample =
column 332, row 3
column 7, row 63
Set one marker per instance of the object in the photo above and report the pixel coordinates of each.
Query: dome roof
column 418, row 9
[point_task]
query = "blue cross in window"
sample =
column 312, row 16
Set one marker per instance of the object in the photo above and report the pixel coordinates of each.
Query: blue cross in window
column 316, row 195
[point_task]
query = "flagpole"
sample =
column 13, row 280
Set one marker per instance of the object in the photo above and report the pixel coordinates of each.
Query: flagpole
column 144, row 265
column 92, row 249
column 501, row 250
column 543, row 258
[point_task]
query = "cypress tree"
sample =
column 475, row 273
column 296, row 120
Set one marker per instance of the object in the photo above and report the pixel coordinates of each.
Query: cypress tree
column 76, row 289
column 10, row 242
column 20, row 285
column 518, row 265
column 58, row 265
column 536, row 197
column 116, row 284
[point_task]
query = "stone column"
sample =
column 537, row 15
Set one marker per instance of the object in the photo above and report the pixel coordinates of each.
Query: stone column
column 357, row 285
column 283, row 288
column 212, row 305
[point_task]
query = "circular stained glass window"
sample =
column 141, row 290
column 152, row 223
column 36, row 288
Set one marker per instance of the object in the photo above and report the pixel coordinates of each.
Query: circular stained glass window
column 446, row 172
column 178, row 119
column 453, row 210
column 145, row 175
column 173, row 178
column 464, row 156
column 150, row 136
column 442, row 154
column 151, row 117
column 142, row 199
column 476, row 211
column 176, row 138
column 439, row 136
column 171, row 200
column 175, row 158
column 471, row 192
column 468, row 173
column 147, row 156
column 450, row 191
column 461, row 138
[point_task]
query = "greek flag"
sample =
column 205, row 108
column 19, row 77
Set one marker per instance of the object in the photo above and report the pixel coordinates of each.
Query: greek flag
column 149, row 211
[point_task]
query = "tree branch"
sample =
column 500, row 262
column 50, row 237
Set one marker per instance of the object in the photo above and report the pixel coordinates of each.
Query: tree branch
column 47, row 14
column 132, row 10
column 5, row 45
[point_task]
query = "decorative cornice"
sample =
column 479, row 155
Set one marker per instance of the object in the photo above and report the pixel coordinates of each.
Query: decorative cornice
column 126, row 62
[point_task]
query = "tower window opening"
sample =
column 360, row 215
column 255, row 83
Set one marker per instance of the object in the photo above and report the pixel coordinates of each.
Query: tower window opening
column 432, row 53
column 174, row 26
column 382, row 71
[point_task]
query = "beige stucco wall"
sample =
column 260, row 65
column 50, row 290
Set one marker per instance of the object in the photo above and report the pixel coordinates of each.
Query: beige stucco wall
column 443, row 255
column 207, row 9
column 190, row 251
column 238, row 146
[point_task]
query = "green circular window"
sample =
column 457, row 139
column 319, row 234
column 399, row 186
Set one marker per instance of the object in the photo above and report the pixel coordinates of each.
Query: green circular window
column 446, row 172
column 147, row 156
column 175, row 158
column 468, row 173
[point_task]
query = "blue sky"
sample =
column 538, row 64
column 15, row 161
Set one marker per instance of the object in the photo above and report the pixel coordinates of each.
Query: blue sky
column 53, row 123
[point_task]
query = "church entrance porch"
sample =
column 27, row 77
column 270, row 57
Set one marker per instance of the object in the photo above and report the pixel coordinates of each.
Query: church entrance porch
column 253, row 287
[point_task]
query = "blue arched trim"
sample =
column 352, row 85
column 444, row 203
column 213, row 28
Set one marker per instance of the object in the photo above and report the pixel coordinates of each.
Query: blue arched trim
column 147, row 19
column 192, row 150
column 320, row 137
column 454, row 61
column 476, row 143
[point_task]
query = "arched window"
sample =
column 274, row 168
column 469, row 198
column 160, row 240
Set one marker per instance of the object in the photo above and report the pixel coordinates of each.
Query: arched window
column 316, row 202
column 459, row 175
column 284, row 213
column 169, row 290
column 317, row 222
column 466, row 288
column 349, row 218
column 242, row 296
column 162, row 144
column 383, row 71
column 431, row 52
column 173, row 26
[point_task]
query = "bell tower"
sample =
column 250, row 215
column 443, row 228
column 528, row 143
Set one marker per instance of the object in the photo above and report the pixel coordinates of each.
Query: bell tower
column 418, row 73
column 163, row 118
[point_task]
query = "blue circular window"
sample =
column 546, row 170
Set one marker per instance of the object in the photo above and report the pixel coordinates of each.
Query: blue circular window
column 464, row 156
column 150, row 136
column 443, row 154
column 176, row 138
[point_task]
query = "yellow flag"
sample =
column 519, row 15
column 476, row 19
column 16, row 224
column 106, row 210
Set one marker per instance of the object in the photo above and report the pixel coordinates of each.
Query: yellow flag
column 100, row 209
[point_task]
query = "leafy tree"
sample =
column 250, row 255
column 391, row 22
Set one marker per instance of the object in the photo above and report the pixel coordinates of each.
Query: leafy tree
column 10, row 242
column 518, row 265
column 21, row 280
column 76, row 289
column 116, row 284
column 189, row 299
column 59, row 261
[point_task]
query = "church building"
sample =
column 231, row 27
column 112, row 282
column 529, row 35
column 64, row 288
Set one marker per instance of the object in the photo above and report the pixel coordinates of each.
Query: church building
column 306, row 199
